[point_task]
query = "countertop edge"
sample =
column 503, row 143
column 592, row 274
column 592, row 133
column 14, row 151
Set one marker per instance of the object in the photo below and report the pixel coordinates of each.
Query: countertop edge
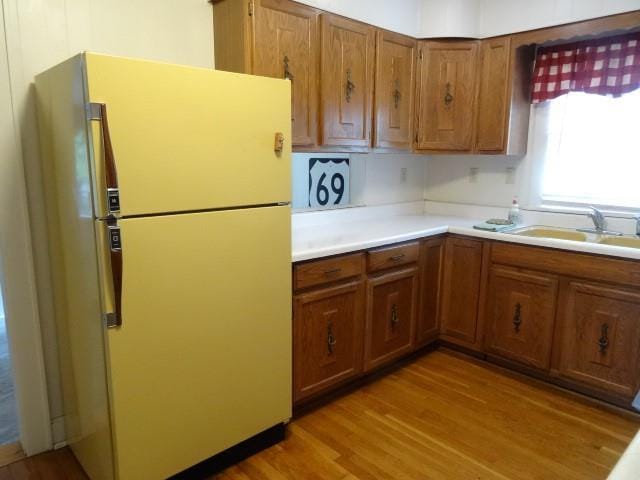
column 378, row 241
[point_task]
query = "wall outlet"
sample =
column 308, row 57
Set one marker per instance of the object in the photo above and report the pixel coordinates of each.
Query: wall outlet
column 473, row 174
column 403, row 175
column 510, row 176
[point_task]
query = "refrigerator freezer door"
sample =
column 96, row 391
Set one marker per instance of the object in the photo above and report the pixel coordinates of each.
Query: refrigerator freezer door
column 188, row 139
column 202, row 360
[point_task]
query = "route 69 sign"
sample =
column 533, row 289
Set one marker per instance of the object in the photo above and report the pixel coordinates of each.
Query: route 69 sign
column 328, row 182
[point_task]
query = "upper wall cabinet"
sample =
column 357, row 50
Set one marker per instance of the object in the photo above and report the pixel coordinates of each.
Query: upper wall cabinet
column 503, row 97
column 274, row 38
column 493, row 108
column 446, row 95
column 394, row 90
column 473, row 97
column 347, row 57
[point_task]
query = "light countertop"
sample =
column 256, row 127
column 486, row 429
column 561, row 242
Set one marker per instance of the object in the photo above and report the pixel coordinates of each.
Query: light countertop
column 326, row 239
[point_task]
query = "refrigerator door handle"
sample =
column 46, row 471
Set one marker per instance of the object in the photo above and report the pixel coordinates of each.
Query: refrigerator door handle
column 98, row 112
column 114, row 319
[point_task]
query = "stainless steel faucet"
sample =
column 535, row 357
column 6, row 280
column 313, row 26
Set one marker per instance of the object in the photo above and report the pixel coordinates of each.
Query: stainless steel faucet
column 600, row 224
column 598, row 219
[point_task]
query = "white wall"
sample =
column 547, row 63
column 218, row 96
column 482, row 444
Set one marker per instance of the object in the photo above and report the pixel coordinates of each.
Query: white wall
column 401, row 16
column 454, row 18
column 375, row 179
column 41, row 33
column 507, row 16
column 487, row 18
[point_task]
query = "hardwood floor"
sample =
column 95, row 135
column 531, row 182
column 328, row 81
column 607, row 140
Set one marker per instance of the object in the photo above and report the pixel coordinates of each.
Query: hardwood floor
column 441, row 417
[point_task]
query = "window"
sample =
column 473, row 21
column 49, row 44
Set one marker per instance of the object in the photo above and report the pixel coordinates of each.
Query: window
column 593, row 150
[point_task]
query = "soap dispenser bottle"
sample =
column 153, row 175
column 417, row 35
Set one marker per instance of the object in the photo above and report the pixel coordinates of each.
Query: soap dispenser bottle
column 514, row 212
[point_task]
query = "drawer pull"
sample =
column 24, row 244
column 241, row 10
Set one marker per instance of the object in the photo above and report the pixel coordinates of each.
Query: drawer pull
column 397, row 258
column 331, row 340
column 333, row 271
column 603, row 342
column 395, row 319
column 517, row 318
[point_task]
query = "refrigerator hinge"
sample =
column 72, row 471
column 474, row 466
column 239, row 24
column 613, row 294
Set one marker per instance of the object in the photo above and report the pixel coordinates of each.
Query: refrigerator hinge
column 112, row 320
column 93, row 111
column 251, row 8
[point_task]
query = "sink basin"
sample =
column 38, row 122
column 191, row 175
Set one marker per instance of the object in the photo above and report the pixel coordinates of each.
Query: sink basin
column 551, row 232
column 629, row 242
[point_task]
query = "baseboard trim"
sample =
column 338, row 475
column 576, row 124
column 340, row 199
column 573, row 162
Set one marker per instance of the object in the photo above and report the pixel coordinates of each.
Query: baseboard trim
column 234, row 455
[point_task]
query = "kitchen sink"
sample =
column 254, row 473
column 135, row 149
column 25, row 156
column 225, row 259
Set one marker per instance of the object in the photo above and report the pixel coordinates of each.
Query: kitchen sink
column 551, row 232
column 627, row 241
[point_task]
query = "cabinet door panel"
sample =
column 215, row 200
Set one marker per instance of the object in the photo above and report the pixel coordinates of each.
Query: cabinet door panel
column 391, row 304
column 286, row 46
column 493, row 96
column 600, row 339
column 447, row 96
column 521, row 311
column 461, row 290
column 431, row 259
column 347, row 81
column 327, row 335
column 395, row 76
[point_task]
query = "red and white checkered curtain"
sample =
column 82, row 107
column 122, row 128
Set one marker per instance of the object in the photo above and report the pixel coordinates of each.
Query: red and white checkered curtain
column 606, row 66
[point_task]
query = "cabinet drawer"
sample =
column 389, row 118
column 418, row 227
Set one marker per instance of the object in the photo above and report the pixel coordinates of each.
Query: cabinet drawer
column 390, row 257
column 327, row 270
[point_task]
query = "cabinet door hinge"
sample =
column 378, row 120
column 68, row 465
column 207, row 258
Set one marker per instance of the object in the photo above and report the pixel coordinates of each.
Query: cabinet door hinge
column 251, row 8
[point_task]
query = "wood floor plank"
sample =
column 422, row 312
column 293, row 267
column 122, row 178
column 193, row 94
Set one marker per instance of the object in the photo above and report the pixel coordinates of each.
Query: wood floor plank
column 442, row 417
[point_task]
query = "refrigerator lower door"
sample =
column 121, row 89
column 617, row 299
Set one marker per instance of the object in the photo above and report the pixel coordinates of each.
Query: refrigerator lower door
column 202, row 359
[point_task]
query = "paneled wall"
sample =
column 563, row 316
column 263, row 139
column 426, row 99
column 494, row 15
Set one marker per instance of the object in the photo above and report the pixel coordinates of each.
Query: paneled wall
column 41, row 33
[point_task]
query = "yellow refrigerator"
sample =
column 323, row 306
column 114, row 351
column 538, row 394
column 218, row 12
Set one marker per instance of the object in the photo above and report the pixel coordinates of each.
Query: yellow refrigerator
column 168, row 206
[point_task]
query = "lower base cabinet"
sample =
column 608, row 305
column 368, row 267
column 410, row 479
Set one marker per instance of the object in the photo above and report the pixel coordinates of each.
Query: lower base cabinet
column 568, row 318
column 599, row 338
column 521, row 308
column 461, row 288
column 428, row 317
column 391, row 311
column 327, row 337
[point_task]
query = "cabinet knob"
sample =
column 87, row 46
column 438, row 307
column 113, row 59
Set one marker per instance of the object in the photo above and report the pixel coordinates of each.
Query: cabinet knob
column 331, row 340
column 397, row 95
column 287, row 72
column 350, row 86
column 517, row 317
column 395, row 319
column 603, row 341
column 448, row 98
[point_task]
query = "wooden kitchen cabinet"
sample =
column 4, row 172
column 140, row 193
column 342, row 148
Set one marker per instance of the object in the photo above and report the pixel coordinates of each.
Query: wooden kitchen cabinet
column 394, row 90
column 461, row 289
column 446, row 95
column 521, row 307
column 274, row 38
column 493, row 94
column 431, row 265
column 347, row 58
column 327, row 338
column 598, row 343
column 390, row 316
